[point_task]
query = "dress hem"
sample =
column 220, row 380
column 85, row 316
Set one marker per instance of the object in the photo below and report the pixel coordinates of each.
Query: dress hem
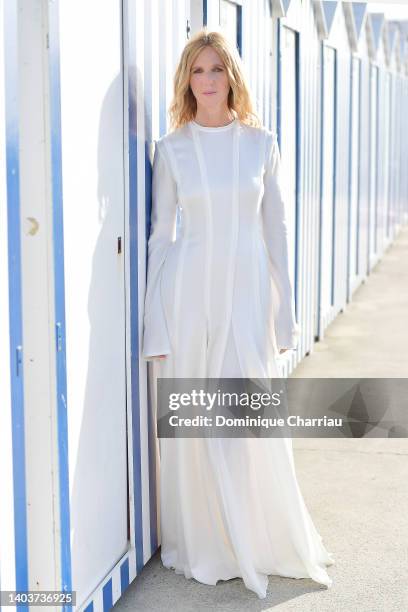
column 213, row 581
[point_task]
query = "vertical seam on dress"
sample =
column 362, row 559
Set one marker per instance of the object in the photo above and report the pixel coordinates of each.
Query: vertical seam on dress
column 257, row 287
column 255, row 246
column 204, row 179
column 237, row 211
column 234, row 243
column 180, row 260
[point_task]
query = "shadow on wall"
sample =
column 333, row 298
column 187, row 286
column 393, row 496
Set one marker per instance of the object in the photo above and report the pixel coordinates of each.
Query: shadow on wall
column 100, row 528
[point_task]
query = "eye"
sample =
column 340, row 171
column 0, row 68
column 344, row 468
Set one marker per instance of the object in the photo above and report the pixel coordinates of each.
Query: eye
column 217, row 68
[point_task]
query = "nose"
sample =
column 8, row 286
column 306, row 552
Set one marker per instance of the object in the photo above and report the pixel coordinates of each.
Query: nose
column 210, row 81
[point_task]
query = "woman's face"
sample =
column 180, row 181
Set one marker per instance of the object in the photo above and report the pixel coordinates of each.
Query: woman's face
column 209, row 80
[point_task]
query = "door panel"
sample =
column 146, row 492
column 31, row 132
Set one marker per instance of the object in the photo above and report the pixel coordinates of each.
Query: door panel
column 93, row 200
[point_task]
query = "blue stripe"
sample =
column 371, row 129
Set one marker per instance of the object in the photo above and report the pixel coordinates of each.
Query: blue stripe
column 150, row 423
column 391, row 217
column 319, row 330
column 130, row 51
column 334, row 191
column 298, row 203
column 15, row 296
column 152, row 484
column 89, row 607
column 360, row 77
column 278, row 84
column 349, row 227
column 107, row 596
column 377, row 170
column 59, row 296
column 124, row 575
column 369, row 190
column 238, row 8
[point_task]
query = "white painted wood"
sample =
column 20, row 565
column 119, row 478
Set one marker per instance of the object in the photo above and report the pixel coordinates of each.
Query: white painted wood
column 94, row 217
column 288, row 136
column 97, row 204
column 37, row 268
column 373, row 197
column 7, row 550
column 354, row 178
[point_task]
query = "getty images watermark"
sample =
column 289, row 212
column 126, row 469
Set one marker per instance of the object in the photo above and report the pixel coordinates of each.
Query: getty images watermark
column 276, row 407
column 255, row 401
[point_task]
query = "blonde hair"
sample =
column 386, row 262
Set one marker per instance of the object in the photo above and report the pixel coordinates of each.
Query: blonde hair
column 183, row 107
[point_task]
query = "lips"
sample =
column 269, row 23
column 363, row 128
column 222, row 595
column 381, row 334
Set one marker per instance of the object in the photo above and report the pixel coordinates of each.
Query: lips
column 209, row 93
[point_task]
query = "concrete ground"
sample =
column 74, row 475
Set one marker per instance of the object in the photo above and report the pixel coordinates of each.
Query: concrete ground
column 355, row 489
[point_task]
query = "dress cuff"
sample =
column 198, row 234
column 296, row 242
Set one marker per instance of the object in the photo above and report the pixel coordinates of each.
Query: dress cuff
column 288, row 339
column 153, row 356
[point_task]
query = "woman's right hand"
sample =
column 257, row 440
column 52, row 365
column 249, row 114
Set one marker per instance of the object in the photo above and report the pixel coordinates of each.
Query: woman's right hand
column 159, row 356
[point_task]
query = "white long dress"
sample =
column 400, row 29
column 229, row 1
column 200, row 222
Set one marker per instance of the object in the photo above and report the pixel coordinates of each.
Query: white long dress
column 219, row 304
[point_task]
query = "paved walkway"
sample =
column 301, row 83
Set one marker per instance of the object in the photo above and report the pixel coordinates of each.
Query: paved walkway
column 356, row 490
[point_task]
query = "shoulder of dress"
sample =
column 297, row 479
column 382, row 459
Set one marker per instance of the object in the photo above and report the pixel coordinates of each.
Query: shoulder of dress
column 270, row 134
column 261, row 131
column 173, row 136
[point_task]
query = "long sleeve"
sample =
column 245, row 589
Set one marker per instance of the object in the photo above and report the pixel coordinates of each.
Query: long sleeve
column 162, row 234
column 276, row 239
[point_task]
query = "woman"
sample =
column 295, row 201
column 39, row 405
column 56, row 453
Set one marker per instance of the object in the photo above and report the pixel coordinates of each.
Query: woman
column 219, row 304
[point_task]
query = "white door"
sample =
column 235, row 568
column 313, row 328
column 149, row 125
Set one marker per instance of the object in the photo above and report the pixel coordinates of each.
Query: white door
column 288, row 124
column 373, row 166
column 353, row 276
column 93, row 205
column 327, row 193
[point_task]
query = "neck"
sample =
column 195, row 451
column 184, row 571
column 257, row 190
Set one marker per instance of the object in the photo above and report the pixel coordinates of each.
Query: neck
column 216, row 119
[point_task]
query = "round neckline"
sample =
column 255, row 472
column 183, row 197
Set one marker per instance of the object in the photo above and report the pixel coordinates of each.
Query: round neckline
column 220, row 128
